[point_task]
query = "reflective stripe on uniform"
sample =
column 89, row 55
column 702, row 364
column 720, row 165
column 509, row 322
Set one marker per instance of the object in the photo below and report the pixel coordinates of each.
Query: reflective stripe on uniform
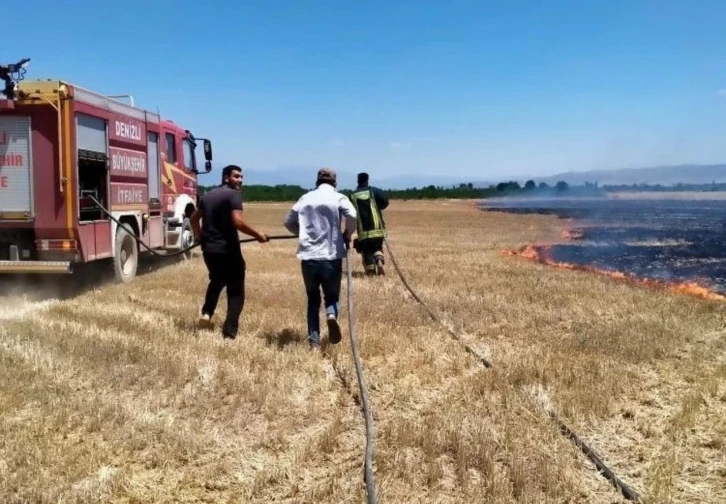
column 377, row 231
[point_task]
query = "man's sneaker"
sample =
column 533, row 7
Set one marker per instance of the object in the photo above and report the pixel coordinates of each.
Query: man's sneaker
column 333, row 329
column 205, row 322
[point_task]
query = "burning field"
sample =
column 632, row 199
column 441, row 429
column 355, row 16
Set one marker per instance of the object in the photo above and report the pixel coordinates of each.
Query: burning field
column 112, row 395
column 673, row 244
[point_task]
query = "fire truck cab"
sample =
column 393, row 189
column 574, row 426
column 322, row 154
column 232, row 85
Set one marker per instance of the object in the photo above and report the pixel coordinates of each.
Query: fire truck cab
column 62, row 148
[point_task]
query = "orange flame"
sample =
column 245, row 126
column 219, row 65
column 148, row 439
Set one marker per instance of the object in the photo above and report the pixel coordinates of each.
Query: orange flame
column 542, row 254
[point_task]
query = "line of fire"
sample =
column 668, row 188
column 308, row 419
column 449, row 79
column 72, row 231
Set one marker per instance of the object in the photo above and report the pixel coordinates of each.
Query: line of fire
column 679, row 248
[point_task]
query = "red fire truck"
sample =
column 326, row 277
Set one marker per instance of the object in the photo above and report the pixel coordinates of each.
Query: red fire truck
column 61, row 148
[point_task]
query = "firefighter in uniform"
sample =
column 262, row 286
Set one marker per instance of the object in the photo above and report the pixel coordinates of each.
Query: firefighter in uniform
column 369, row 202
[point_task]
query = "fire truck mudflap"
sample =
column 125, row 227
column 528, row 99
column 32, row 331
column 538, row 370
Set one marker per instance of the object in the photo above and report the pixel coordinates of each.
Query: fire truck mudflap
column 16, row 197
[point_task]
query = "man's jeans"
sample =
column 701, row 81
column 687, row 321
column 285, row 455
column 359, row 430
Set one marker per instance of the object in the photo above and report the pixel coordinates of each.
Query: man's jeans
column 327, row 275
column 226, row 270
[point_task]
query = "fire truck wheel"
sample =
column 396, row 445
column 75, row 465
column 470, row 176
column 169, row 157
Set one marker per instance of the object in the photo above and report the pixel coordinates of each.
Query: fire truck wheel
column 187, row 239
column 126, row 257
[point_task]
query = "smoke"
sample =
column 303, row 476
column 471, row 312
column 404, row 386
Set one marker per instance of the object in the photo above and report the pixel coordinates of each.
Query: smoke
column 23, row 295
column 667, row 240
column 20, row 308
column 18, row 299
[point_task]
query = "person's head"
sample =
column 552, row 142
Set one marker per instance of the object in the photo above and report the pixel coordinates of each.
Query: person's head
column 363, row 178
column 232, row 176
column 326, row 176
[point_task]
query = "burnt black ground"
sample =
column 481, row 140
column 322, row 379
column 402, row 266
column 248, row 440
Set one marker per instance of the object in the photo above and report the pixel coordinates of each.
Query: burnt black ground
column 676, row 240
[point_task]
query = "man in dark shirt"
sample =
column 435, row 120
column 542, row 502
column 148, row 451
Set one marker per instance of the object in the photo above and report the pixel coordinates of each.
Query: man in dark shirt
column 220, row 211
column 369, row 203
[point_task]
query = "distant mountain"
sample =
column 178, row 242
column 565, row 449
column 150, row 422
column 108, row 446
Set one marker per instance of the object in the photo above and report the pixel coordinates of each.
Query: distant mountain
column 304, row 176
column 665, row 175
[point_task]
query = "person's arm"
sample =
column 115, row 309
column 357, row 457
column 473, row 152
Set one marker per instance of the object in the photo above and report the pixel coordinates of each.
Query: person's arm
column 240, row 223
column 347, row 210
column 381, row 198
column 292, row 220
column 195, row 218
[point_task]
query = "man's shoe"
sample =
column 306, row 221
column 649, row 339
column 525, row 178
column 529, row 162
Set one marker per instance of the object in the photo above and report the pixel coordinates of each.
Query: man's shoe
column 333, row 330
column 379, row 264
column 205, row 322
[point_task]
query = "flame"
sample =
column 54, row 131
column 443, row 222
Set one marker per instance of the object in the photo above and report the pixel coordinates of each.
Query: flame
column 542, row 254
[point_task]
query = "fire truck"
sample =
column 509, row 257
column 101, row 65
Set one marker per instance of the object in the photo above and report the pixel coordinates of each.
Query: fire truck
column 67, row 154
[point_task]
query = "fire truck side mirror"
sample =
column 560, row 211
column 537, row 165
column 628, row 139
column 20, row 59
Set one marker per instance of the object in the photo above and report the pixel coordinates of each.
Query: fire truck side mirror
column 207, row 150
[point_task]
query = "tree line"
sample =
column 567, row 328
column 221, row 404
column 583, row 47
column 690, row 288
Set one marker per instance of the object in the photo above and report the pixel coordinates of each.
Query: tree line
column 680, row 187
column 286, row 192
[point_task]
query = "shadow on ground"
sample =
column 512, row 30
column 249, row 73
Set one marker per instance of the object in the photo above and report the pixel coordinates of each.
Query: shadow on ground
column 284, row 338
column 362, row 274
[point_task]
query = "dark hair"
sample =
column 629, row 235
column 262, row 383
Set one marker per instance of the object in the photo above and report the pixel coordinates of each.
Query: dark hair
column 227, row 171
column 363, row 178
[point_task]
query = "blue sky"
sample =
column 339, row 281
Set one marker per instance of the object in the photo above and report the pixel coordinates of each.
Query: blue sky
column 474, row 89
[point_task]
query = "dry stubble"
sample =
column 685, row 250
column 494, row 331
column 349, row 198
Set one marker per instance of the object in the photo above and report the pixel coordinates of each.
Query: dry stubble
column 115, row 396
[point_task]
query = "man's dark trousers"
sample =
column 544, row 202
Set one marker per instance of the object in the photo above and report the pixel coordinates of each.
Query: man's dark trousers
column 328, row 275
column 368, row 249
column 226, row 270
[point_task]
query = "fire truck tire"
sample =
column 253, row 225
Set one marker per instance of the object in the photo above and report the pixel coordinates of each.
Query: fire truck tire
column 126, row 256
column 187, row 239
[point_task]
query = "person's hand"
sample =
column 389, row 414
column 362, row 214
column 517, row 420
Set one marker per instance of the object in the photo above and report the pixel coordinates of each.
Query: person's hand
column 263, row 238
column 346, row 240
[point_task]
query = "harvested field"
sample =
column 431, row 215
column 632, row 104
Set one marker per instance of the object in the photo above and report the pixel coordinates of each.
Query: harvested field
column 114, row 396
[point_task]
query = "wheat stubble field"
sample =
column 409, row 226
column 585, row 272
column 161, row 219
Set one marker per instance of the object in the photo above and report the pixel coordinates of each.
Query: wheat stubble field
column 114, row 396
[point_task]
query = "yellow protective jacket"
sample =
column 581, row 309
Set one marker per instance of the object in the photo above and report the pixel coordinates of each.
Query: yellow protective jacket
column 368, row 202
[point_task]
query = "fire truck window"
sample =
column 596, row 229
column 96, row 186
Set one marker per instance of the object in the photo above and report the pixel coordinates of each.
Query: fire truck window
column 188, row 160
column 92, row 180
column 170, row 148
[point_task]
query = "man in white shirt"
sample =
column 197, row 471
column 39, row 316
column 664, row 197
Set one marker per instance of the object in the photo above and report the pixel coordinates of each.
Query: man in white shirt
column 316, row 219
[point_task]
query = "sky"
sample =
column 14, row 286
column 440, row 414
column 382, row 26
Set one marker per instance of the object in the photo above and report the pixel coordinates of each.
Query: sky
column 471, row 89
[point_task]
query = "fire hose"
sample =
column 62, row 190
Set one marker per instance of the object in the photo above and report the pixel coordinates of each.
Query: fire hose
column 624, row 489
column 178, row 252
column 365, row 405
column 367, row 413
